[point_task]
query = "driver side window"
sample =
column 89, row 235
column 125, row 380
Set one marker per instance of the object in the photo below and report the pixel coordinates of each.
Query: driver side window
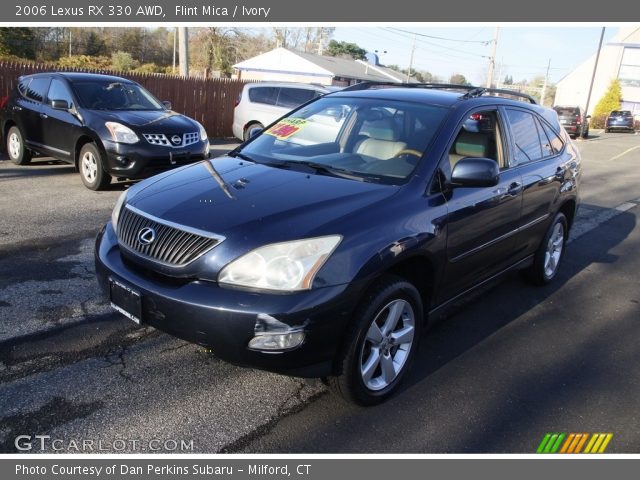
column 479, row 136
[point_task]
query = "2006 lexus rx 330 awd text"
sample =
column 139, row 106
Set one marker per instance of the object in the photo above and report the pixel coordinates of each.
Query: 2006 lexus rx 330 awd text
column 323, row 245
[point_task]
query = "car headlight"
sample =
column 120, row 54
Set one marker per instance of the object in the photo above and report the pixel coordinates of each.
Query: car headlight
column 121, row 133
column 115, row 214
column 286, row 266
column 203, row 132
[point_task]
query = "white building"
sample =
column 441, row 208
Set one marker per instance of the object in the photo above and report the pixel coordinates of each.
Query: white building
column 283, row 65
column 619, row 58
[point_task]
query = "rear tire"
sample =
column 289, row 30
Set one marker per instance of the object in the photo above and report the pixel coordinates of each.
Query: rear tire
column 546, row 262
column 381, row 344
column 91, row 168
column 249, row 127
column 16, row 150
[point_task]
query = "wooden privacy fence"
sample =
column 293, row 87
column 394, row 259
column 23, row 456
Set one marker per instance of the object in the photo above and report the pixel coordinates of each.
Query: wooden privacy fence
column 209, row 101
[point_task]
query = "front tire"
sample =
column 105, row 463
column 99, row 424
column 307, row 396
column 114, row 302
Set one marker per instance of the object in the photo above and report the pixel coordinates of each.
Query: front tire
column 381, row 344
column 91, row 168
column 546, row 262
column 16, row 150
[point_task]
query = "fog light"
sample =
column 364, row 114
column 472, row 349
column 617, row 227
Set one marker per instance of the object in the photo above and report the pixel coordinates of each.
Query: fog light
column 276, row 341
column 272, row 335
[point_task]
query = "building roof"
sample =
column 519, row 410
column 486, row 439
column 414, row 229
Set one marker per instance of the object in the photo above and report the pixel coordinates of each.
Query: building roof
column 291, row 61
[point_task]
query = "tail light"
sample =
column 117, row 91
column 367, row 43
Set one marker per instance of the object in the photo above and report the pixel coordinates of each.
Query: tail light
column 476, row 116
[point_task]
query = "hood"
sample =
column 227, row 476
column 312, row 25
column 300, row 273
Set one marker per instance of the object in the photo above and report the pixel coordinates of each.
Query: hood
column 151, row 120
column 245, row 200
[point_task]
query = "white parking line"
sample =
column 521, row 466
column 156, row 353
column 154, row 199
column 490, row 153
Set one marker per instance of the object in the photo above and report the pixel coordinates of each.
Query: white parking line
column 624, row 153
column 587, row 220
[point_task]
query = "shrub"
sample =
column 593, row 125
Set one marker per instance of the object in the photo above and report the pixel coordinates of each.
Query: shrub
column 610, row 101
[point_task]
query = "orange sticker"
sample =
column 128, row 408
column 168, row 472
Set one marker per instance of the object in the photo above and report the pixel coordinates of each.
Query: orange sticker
column 286, row 128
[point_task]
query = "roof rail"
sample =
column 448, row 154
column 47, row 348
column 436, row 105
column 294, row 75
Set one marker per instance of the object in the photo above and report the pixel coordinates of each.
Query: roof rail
column 471, row 91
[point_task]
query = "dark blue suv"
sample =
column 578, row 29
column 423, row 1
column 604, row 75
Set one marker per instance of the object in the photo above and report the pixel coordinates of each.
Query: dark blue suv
column 323, row 245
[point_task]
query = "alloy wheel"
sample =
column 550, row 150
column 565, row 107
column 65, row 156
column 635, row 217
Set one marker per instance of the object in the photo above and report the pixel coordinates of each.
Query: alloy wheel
column 554, row 250
column 387, row 345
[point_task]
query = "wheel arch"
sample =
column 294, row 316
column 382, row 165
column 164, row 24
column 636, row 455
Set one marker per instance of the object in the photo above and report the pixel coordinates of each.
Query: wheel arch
column 81, row 141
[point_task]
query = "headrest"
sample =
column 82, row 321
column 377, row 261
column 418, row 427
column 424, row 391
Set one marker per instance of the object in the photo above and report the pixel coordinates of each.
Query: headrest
column 381, row 129
column 469, row 144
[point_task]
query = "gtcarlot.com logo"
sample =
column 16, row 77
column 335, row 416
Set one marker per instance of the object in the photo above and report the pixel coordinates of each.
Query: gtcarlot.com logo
column 574, row 443
column 44, row 443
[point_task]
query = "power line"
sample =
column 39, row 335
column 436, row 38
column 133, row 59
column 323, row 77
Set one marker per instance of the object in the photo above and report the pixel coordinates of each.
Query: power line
column 484, row 42
column 464, row 52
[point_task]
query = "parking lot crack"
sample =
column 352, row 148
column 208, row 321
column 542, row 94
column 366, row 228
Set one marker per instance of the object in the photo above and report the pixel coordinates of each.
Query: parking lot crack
column 291, row 405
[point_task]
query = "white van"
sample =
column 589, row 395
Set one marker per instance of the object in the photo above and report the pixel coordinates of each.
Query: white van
column 260, row 104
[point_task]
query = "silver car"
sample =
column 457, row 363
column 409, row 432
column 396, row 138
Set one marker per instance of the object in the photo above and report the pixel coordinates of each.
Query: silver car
column 260, row 104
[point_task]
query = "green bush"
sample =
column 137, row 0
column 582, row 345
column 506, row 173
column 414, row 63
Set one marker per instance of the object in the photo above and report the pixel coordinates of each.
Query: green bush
column 150, row 68
column 123, row 61
column 84, row 61
column 610, row 101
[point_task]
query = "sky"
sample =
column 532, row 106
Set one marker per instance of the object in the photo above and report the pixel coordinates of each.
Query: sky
column 522, row 52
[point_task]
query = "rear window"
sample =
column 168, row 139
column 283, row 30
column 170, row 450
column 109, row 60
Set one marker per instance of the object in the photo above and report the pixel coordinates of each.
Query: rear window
column 566, row 111
column 37, row 89
column 620, row 113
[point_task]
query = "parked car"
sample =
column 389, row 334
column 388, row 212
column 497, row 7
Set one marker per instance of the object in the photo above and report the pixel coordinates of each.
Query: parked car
column 574, row 120
column 106, row 126
column 260, row 104
column 328, row 259
column 620, row 120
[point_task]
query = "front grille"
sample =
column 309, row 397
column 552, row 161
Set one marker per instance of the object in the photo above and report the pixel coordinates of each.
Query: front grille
column 168, row 141
column 173, row 245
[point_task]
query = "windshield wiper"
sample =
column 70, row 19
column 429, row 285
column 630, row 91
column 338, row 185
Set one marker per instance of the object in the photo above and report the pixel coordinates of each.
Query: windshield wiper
column 241, row 155
column 337, row 171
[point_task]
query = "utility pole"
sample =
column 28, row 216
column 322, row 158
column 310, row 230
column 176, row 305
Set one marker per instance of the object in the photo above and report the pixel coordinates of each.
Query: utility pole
column 593, row 75
column 175, row 43
column 69, row 41
column 492, row 60
column 544, row 85
column 413, row 49
column 183, row 41
column 320, row 42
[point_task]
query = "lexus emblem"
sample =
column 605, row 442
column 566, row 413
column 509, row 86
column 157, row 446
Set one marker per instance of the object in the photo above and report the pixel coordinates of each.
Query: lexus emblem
column 146, row 235
column 176, row 140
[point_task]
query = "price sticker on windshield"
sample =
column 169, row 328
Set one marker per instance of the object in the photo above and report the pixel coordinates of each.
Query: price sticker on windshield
column 287, row 127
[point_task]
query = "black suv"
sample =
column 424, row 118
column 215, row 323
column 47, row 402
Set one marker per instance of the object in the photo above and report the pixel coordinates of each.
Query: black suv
column 322, row 246
column 106, row 126
column 574, row 121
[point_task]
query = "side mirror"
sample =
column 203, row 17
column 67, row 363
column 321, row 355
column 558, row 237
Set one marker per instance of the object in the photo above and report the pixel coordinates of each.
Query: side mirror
column 588, row 117
column 475, row 172
column 167, row 104
column 59, row 104
column 254, row 131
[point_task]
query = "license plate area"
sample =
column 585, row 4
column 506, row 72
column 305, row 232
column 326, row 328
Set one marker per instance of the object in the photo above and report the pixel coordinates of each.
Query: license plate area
column 125, row 300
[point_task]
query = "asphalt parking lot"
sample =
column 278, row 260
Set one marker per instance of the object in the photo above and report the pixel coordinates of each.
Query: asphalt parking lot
column 500, row 372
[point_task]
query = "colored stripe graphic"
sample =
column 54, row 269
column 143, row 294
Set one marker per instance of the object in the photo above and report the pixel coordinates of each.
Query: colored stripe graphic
column 574, row 443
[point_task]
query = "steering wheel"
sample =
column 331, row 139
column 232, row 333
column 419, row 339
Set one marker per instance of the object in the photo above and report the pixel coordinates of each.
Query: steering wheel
column 408, row 151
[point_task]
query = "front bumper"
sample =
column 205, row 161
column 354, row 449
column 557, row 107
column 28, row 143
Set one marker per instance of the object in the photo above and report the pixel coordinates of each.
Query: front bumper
column 142, row 159
column 224, row 319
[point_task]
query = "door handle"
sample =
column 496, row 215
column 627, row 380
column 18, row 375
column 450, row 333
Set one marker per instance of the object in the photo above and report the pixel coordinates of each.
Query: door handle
column 514, row 189
column 44, row 115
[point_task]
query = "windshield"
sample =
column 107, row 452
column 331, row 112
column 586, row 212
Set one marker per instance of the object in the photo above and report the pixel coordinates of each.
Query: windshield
column 115, row 96
column 363, row 139
column 567, row 111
